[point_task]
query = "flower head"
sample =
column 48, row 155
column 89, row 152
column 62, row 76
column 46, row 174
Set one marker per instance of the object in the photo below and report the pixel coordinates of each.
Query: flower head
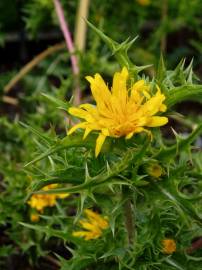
column 41, row 201
column 155, row 170
column 169, row 246
column 93, row 225
column 34, row 217
column 121, row 111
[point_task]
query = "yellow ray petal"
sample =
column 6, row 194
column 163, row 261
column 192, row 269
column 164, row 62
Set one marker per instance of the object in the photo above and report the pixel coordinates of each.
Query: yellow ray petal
column 137, row 88
column 99, row 142
column 88, row 226
column 139, row 129
column 86, row 133
column 99, row 89
column 138, row 85
column 92, row 235
column 87, row 235
column 91, row 112
column 100, row 221
column 88, row 116
column 74, row 128
column 119, row 82
column 129, row 135
column 62, row 196
column 119, row 89
column 105, row 131
column 153, row 105
column 88, row 107
column 157, row 121
column 163, row 108
column 78, row 112
column 79, row 233
column 146, row 94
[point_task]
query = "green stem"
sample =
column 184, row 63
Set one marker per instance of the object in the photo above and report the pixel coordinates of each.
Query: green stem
column 129, row 216
column 164, row 16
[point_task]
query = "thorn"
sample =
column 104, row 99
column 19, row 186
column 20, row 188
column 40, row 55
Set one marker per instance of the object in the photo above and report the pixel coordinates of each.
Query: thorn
column 87, row 175
column 108, row 167
column 110, row 42
column 91, row 195
column 120, row 47
column 72, row 251
column 140, row 68
column 131, row 42
column 81, row 205
column 175, row 133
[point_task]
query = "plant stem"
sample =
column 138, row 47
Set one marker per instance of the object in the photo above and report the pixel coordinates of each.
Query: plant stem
column 10, row 100
column 70, row 46
column 80, row 39
column 65, row 30
column 128, row 213
column 164, row 15
column 81, row 26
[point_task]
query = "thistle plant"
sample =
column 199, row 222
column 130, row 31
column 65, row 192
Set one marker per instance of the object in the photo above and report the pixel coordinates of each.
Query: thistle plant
column 134, row 190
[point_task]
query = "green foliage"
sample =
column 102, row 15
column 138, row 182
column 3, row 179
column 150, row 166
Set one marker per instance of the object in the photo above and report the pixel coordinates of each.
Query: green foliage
column 167, row 207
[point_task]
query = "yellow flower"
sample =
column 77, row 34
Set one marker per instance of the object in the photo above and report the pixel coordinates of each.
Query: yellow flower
column 169, row 246
column 93, row 225
column 155, row 170
column 34, row 217
column 41, row 201
column 143, row 2
column 121, row 111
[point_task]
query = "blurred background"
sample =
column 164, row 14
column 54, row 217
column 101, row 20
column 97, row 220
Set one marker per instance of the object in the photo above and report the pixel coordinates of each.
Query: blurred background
column 29, row 27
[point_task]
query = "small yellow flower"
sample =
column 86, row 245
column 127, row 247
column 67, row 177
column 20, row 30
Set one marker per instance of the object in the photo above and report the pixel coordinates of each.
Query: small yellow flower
column 41, row 201
column 143, row 2
column 121, row 111
column 155, row 170
column 34, row 217
column 169, row 246
column 93, row 225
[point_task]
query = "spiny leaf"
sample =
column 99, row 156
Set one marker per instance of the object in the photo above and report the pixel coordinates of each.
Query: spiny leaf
column 68, row 142
column 39, row 134
column 130, row 156
column 161, row 71
column 61, row 104
column 170, row 152
column 182, row 93
column 50, row 151
column 120, row 51
column 48, row 231
column 185, row 205
column 174, row 263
